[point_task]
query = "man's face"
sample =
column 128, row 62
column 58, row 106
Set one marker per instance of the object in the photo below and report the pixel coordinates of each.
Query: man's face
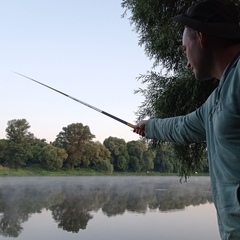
column 198, row 58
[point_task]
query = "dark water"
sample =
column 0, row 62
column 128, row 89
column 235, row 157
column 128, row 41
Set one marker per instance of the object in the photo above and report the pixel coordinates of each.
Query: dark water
column 104, row 208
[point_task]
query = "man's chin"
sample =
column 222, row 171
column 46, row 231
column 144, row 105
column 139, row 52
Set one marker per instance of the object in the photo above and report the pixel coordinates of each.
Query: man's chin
column 203, row 78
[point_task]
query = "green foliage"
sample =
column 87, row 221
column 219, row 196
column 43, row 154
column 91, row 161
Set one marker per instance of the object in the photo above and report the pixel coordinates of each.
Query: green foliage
column 73, row 138
column 3, row 146
column 167, row 96
column 17, row 130
column 164, row 160
column 136, row 149
column 100, row 153
column 16, row 154
column 134, row 164
column 52, row 157
column 117, row 148
column 94, row 154
column 36, row 147
column 148, row 160
column 191, row 157
column 104, row 165
column 17, row 147
column 42, row 158
column 122, row 163
column 172, row 91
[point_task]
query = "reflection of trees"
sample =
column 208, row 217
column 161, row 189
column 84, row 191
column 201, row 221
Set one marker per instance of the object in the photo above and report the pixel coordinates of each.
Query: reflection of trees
column 174, row 199
column 72, row 202
column 13, row 212
column 18, row 200
column 138, row 196
column 10, row 226
column 72, row 214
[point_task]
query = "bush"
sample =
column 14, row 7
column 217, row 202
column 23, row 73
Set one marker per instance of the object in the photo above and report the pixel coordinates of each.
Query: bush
column 104, row 165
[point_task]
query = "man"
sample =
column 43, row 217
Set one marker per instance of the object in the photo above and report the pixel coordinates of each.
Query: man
column 211, row 41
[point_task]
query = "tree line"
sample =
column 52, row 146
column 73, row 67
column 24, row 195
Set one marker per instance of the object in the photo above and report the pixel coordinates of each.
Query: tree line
column 74, row 148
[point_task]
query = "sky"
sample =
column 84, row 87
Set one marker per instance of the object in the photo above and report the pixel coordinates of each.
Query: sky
column 82, row 48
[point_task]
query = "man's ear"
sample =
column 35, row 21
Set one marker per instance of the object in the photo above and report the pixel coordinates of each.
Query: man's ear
column 202, row 39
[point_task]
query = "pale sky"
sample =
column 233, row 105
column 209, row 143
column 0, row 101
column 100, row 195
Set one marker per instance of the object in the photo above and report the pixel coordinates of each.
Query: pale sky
column 82, row 48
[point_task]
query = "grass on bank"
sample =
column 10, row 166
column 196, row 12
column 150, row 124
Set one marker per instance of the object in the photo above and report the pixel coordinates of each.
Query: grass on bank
column 37, row 171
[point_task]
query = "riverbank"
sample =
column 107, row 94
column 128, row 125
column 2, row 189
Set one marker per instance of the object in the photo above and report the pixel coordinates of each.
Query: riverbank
column 76, row 172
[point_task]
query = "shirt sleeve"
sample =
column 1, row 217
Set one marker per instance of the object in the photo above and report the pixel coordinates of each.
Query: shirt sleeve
column 179, row 130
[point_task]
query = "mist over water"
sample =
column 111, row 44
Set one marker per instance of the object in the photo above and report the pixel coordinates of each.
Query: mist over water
column 74, row 203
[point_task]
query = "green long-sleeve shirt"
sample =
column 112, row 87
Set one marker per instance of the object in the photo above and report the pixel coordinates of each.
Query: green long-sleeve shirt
column 218, row 122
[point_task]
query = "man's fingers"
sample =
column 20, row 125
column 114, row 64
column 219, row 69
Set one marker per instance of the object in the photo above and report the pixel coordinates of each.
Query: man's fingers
column 139, row 131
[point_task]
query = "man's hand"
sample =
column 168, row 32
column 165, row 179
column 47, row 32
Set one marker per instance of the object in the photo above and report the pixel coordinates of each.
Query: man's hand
column 139, row 128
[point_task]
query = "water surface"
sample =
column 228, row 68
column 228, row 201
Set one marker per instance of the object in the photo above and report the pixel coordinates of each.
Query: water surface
column 89, row 208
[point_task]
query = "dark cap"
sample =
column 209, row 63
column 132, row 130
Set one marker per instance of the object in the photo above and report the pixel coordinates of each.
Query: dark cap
column 213, row 17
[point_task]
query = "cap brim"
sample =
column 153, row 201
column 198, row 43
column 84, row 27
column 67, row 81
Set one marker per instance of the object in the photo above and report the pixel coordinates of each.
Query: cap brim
column 224, row 30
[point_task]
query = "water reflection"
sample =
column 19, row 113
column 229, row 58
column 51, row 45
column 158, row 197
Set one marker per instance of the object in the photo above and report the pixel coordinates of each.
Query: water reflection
column 72, row 199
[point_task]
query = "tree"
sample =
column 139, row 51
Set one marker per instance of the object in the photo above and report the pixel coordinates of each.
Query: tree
column 97, row 156
column 51, row 157
column 16, row 154
column 141, row 156
column 18, row 147
column 73, row 139
column 165, row 161
column 36, row 147
column 3, row 145
column 122, row 163
column 148, row 159
column 104, row 165
column 135, row 151
column 134, row 164
column 118, row 149
column 93, row 153
column 174, row 91
column 17, row 131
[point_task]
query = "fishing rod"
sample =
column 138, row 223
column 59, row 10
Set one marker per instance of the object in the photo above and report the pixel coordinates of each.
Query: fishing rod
column 79, row 101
